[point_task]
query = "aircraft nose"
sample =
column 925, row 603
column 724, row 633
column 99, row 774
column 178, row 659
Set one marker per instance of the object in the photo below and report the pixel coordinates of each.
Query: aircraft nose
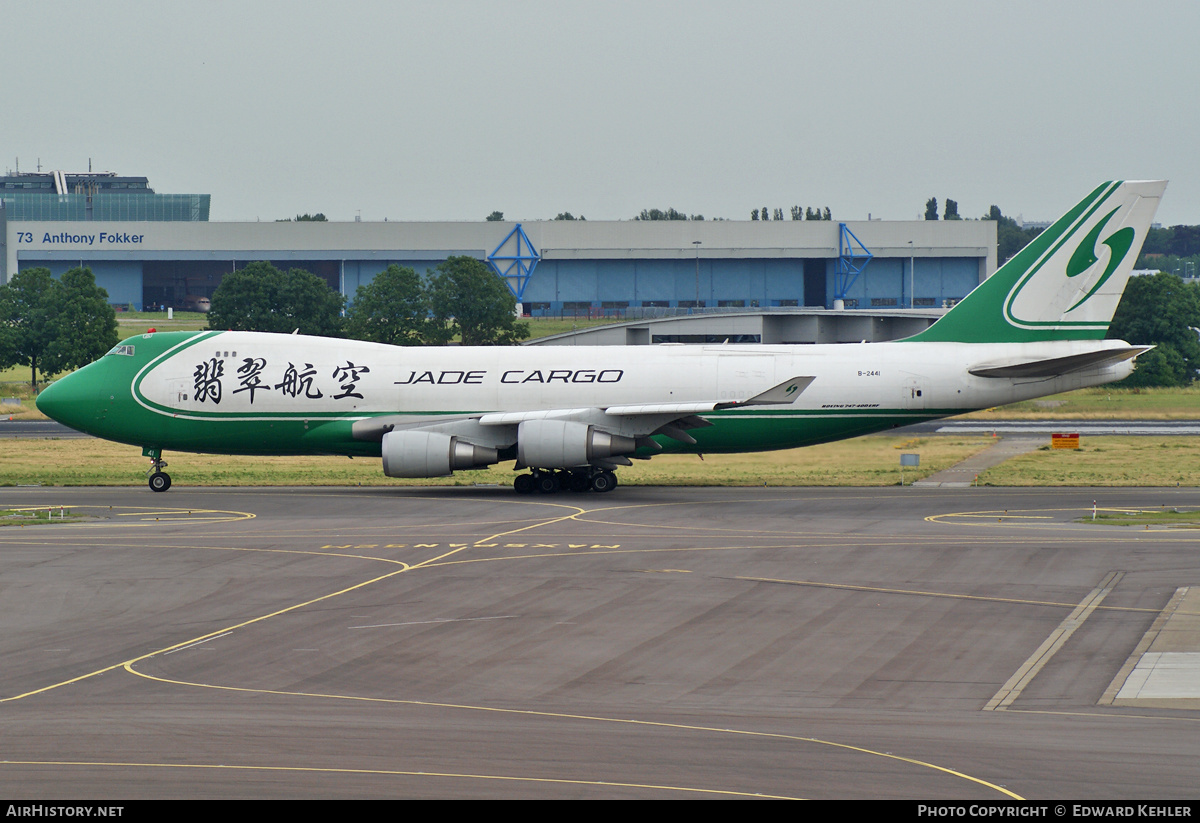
column 71, row 401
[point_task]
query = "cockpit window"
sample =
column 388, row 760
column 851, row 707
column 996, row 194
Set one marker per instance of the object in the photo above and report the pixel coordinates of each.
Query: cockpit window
column 125, row 350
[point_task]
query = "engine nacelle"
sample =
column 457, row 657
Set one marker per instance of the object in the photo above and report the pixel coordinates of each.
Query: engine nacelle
column 562, row 444
column 431, row 454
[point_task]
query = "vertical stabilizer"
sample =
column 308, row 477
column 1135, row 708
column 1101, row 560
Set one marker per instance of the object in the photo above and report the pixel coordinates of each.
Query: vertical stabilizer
column 1066, row 284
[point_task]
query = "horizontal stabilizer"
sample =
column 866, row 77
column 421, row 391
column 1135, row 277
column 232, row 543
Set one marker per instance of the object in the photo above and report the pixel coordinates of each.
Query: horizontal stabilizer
column 1056, row 366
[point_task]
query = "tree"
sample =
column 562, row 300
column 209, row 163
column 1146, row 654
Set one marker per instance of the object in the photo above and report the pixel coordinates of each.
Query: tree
column 27, row 313
column 1010, row 238
column 87, row 324
column 659, row 214
column 951, row 212
column 778, row 215
column 311, row 218
column 1157, row 240
column 54, row 325
column 1160, row 310
column 754, row 214
column 797, row 213
column 931, row 208
column 495, row 217
column 470, row 300
column 8, row 329
column 811, row 214
column 565, row 215
column 828, row 214
column 392, row 308
column 260, row 297
column 1185, row 241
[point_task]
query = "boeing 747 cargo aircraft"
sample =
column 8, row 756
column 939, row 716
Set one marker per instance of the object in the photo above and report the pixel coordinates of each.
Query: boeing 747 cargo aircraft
column 572, row 415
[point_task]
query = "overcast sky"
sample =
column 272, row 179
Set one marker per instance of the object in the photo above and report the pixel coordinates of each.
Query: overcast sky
column 449, row 110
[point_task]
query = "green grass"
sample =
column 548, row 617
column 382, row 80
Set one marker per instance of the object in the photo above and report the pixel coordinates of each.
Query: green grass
column 25, row 410
column 1104, row 404
column 37, row 517
column 864, row 461
column 137, row 322
column 1153, row 517
column 546, row 326
column 1104, row 461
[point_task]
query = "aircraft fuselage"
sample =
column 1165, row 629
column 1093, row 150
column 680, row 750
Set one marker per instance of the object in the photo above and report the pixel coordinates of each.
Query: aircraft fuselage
column 256, row 393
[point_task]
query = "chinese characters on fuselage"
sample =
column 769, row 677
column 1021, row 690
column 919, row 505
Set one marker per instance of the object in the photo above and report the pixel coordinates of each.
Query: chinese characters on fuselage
column 348, row 376
column 306, row 382
column 248, row 374
column 207, row 378
column 296, row 382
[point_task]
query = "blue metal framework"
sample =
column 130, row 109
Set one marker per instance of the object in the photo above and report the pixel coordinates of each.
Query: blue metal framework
column 849, row 267
column 517, row 263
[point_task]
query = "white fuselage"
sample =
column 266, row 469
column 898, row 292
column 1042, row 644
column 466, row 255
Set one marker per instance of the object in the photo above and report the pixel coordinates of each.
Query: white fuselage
column 259, row 376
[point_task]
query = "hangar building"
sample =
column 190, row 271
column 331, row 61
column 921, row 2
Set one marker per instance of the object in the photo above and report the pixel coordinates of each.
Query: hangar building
column 572, row 267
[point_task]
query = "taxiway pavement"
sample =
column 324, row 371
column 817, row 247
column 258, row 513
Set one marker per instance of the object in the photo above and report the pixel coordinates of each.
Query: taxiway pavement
column 460, row 642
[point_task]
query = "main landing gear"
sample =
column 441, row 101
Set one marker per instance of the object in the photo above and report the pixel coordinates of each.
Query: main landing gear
column 156, row 478
column 546, row 481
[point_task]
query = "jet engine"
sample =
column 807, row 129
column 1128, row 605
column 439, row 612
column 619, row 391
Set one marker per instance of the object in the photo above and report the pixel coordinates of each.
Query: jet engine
column 431, row 454
column 561, row 444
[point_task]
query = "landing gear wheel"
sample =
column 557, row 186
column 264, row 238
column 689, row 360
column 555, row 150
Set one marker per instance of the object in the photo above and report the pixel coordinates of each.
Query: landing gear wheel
column 604, row 481
column 523, row 484
column 156, row 478
column 546, row 483
column 578, row 482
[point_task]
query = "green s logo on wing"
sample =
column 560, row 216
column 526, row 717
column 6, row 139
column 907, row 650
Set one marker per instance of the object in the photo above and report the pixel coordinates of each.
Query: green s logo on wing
column 1085, row 256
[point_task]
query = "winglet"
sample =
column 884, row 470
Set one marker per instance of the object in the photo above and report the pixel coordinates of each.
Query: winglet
column 786, row 392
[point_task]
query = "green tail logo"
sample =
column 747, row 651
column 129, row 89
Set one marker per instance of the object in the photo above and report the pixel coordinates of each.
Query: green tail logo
column 1054, row 289
column 1085, row 256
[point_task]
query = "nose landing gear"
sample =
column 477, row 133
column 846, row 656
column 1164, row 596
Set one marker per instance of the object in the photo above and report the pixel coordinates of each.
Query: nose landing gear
column 156, row 478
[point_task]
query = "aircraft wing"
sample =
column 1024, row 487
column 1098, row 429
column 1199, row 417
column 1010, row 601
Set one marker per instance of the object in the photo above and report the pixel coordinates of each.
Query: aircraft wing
column 499, row 429
column 785, row 392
